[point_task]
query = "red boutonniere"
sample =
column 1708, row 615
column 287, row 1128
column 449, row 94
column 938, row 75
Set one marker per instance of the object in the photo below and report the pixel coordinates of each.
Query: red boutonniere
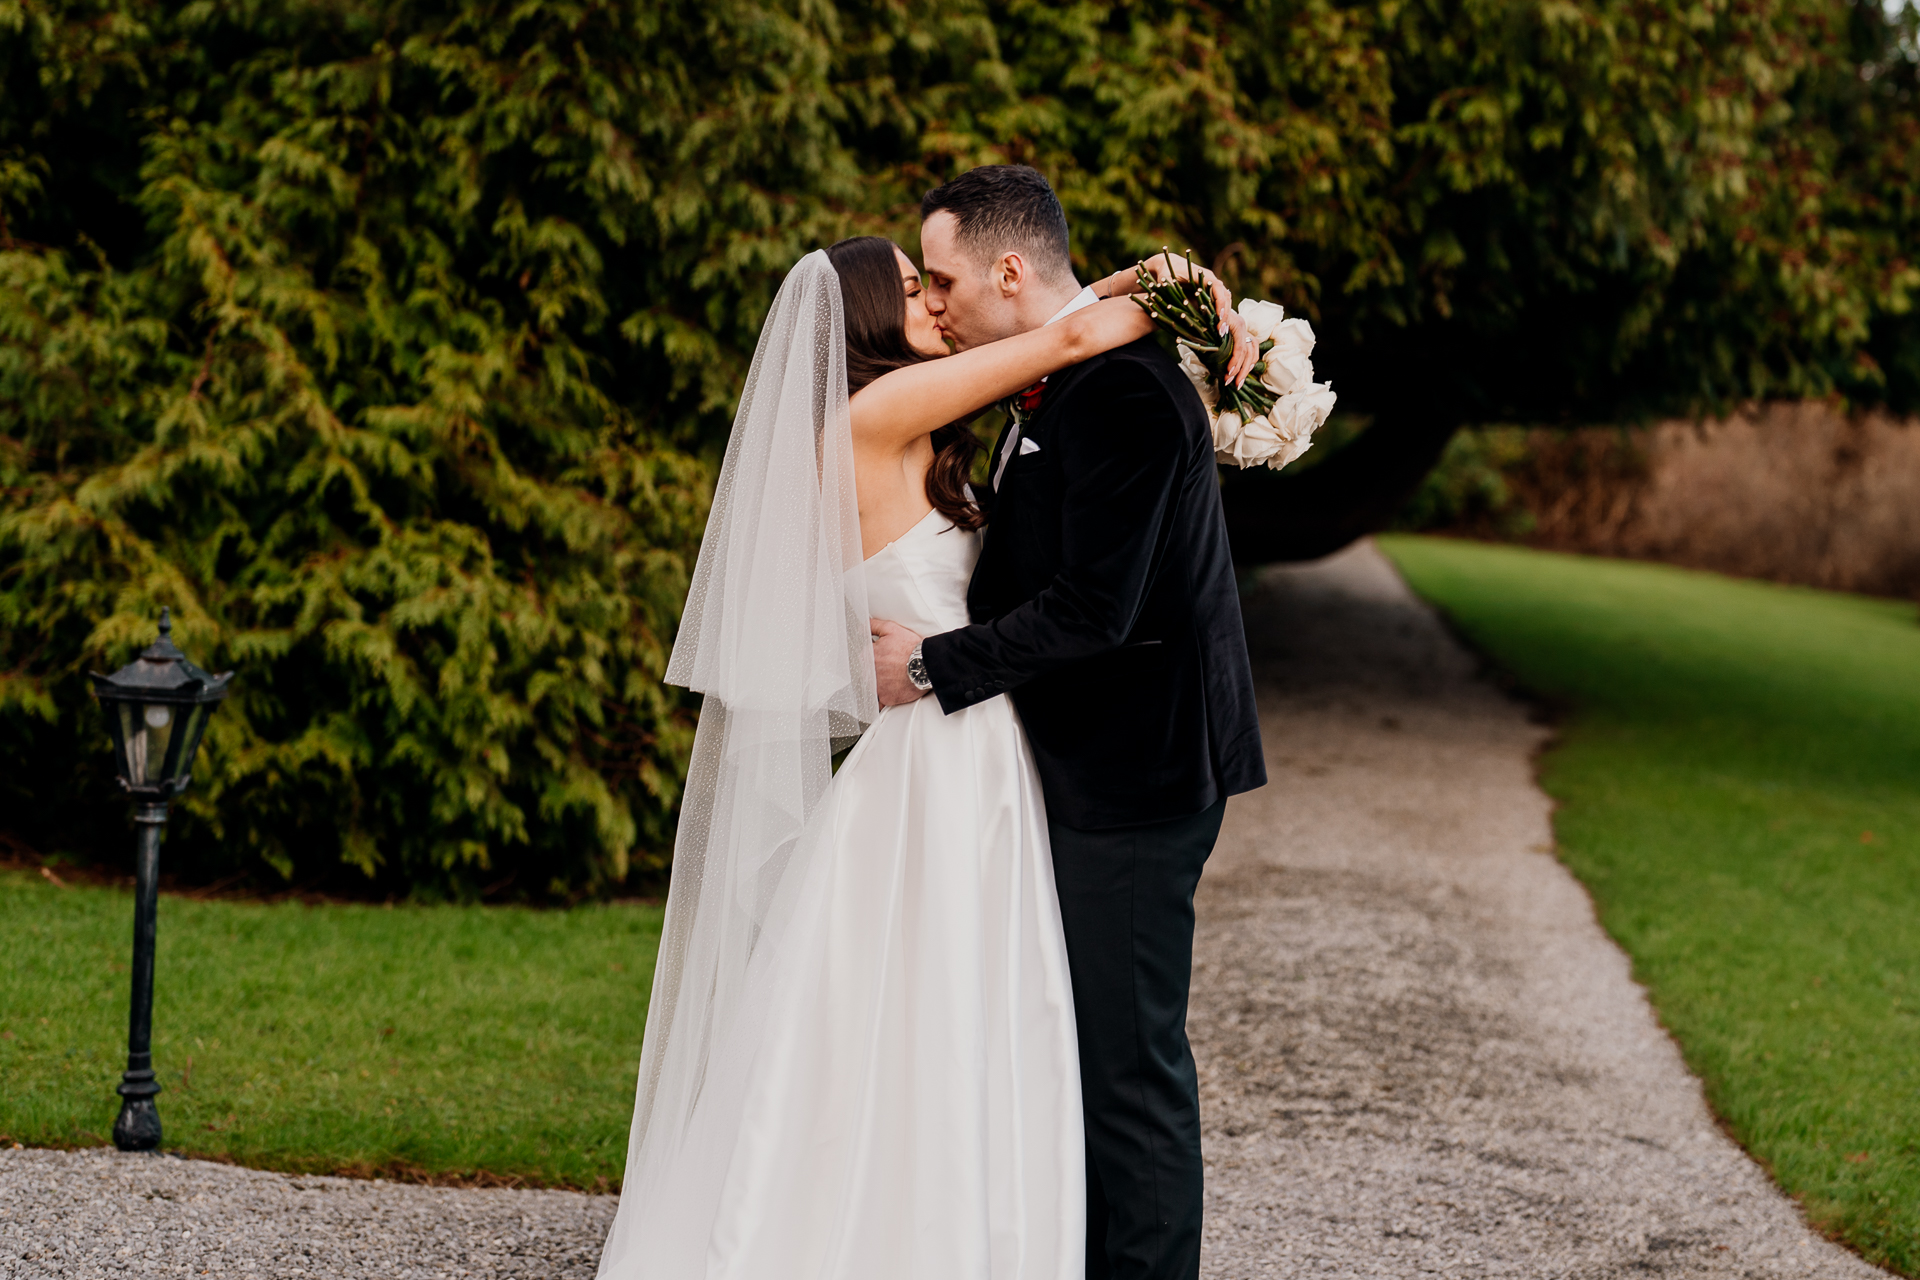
column 1023, row 405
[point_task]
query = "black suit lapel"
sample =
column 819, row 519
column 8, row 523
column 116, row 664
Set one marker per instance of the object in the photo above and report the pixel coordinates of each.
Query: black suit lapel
column 1063, row 382
column 1059, row 386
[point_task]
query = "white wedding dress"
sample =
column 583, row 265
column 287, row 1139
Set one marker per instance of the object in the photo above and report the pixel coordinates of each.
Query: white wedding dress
column 907, row 1106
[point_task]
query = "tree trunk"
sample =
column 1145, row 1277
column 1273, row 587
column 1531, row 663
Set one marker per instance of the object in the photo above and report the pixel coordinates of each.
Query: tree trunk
column 1303, row 516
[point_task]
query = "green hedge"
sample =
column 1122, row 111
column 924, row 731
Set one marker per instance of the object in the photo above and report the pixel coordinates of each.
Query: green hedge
column 347, row 396
column 392, row 343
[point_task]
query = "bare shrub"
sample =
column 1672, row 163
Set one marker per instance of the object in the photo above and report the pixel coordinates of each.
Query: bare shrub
column 1793, row 492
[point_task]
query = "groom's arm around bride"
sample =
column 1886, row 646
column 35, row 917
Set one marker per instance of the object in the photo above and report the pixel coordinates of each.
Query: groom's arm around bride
column 1105, row 604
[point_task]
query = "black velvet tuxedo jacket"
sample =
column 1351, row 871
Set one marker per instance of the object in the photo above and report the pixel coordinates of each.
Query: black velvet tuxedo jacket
column 1104, row 602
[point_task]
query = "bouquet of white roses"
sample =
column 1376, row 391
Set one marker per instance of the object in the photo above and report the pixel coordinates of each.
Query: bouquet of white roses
column 1271, row 420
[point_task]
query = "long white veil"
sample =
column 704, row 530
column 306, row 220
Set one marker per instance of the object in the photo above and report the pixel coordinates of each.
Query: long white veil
column 775, row 635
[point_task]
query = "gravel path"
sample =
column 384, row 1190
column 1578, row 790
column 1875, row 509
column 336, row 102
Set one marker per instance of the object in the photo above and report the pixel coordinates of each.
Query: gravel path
column 1419, row 1055
column 86, row 1214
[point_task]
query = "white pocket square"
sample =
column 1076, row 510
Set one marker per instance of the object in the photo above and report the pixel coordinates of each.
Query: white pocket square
column 1029, row 445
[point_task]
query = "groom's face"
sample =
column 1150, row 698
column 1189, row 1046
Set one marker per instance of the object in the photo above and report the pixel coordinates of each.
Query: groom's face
column 966, row 298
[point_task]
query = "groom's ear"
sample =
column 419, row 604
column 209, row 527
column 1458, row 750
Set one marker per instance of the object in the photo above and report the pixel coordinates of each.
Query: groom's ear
column 1009, row 274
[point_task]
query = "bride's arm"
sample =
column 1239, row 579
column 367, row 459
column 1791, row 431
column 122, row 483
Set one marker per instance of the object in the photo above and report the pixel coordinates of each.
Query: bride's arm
column 902, row 406
column 1167, row 265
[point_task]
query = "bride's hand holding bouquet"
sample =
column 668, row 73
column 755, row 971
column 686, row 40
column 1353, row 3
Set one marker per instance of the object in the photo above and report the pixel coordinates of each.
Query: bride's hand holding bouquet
column 1269, row 421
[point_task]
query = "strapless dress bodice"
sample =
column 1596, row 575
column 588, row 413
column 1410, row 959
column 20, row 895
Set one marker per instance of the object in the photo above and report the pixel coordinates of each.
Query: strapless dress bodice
column 919, row 580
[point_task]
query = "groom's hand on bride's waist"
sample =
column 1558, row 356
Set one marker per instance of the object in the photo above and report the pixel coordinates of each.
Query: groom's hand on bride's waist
column 893, row 645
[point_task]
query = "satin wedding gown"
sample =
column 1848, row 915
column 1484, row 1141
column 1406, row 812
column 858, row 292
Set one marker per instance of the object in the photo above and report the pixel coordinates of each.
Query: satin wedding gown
column 909, row 1108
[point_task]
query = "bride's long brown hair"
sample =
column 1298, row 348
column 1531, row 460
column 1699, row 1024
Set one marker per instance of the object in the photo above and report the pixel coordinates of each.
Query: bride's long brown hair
column 876, row 319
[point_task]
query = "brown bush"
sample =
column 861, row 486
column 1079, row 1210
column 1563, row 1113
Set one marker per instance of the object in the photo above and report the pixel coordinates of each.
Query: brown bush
column 1793, row 492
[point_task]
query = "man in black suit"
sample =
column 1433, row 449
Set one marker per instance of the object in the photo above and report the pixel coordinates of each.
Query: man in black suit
column 1104, row 604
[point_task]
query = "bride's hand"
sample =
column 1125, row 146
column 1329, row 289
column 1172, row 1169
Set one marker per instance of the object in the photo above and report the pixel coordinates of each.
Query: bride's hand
column 1165, row 266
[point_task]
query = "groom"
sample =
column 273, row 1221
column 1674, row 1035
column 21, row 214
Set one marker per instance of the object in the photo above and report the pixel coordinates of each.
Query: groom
column 1104, row 603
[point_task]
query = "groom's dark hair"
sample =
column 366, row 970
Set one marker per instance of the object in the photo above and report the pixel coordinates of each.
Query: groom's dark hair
column 1000, row 208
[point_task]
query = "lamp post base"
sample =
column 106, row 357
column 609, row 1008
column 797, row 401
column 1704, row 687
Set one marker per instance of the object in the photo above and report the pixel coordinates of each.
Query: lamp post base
column 138, row 1126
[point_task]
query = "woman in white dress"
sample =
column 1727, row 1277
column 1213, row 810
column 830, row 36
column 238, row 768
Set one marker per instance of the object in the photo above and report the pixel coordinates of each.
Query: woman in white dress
column 860, row 1057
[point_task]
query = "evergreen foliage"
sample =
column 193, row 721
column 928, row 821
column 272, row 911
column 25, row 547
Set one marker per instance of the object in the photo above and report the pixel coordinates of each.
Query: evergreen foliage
column 391, row 342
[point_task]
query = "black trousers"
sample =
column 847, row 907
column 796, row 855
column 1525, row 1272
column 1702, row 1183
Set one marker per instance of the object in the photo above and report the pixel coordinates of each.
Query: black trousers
column 1126, row 900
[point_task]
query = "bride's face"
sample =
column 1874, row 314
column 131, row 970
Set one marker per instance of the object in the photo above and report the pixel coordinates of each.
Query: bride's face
column 923, row 335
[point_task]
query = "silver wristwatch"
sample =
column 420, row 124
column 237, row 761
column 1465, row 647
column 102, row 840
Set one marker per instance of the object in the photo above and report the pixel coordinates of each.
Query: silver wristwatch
column 917, row 669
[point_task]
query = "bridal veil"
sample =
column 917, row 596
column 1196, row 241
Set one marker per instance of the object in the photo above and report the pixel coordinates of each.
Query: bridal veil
column 775, row 636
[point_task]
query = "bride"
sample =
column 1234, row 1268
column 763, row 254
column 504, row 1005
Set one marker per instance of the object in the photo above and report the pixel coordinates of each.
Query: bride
column 860, row 1055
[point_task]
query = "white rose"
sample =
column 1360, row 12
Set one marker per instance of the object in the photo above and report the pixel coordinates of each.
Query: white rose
column 1226, row 430
column 1288, row 452
column 1262, row 317
column 1198, row 375
column 1289, row 360
column 1258, row 443
column 1298, row 414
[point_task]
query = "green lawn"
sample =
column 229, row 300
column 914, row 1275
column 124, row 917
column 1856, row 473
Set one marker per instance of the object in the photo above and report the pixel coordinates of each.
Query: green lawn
column 410, row 1040
column 1738, row 780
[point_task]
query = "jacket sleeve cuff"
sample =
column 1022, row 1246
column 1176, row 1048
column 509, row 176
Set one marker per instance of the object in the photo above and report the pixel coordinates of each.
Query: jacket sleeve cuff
column 956, row 683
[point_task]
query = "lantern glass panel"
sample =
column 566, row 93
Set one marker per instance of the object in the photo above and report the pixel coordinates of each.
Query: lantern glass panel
column 146, row 732
column 190, row 722
column 133, row 742
column 117, row 728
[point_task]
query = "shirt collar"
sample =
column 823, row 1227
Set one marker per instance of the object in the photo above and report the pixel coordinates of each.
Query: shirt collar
column 1085, row 298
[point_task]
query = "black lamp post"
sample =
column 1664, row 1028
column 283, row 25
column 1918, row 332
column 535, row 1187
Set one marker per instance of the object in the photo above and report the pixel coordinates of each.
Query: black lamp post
column 157, row 707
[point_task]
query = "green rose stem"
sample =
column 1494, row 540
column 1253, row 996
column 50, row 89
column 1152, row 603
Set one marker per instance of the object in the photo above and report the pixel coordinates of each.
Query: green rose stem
column 1186, row 309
